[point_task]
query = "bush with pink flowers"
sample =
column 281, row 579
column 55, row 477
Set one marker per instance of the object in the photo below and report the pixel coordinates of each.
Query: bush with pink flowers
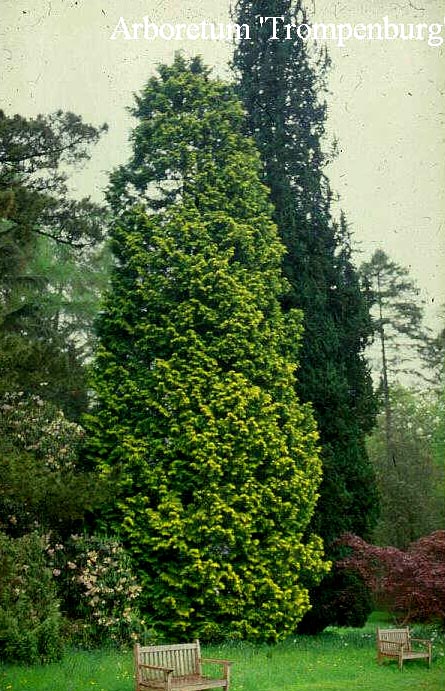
column 99, row 592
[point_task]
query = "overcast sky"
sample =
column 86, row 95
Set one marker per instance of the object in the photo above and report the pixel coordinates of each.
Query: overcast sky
column 386, row 106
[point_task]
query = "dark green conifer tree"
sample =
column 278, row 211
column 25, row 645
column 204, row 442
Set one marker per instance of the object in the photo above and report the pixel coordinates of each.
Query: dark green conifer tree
column 281, row 83
column 216, row 459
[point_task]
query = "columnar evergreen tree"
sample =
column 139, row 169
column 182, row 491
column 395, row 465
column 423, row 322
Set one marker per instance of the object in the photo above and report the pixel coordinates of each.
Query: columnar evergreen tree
column 280, row 82
column 216, row 460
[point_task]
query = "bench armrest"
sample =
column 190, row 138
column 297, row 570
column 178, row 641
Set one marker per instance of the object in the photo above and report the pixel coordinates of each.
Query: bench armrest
column 422, row 641
column 213, row 661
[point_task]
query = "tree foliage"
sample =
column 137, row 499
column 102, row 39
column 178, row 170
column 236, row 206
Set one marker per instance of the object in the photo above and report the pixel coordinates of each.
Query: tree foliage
column 46, row 494
column 282, row 87
column 282, row 84
column 411, row 481
column 49, row 265
column 342, row 599
column 196, row 408
column 411, row 583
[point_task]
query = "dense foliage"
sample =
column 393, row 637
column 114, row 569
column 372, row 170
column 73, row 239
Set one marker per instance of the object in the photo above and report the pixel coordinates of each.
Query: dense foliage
column 43, row 485
column 342, row 599
column 52, row 267
column 410, row 583
column 54, row 586
column 411, row 480
column 49, row 252
column 216, row 460
column 30, row 619
column 281, row 85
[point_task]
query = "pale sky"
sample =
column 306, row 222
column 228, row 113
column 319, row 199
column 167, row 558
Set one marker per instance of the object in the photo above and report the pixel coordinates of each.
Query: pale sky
column 386, row 106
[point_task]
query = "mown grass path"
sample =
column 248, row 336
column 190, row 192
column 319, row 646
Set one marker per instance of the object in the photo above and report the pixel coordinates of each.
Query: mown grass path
column 337, row 660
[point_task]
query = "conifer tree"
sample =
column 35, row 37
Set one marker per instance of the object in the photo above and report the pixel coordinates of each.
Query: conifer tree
column 397, row 312
column 282, row 84
column 49, row 268
column 216, row 459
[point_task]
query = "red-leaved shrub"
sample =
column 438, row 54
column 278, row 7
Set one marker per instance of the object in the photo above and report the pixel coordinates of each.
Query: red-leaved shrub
column 408, row 583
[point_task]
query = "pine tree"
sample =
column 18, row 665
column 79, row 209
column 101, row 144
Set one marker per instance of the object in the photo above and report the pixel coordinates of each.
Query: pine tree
column 281, row 84
column 397, row 312
column 196, row 408
column 46, row 240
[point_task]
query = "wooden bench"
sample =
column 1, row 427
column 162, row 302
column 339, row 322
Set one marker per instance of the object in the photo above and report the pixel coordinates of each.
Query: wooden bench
column 397, row 645
column 177, row 668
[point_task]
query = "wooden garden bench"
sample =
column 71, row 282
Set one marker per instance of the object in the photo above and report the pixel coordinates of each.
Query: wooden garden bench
column 397, row 645
column 177, row 667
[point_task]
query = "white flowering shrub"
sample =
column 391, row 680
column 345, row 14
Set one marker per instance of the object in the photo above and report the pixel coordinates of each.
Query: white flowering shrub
column 100, row 591
column 43, row 486
column 39, row 427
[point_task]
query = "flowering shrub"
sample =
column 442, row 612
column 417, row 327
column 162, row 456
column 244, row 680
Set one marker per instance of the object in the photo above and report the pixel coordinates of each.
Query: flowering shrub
column 43, row 488
column 42, row 485
column 99, row 590
column 39, row 427
column 30, row 620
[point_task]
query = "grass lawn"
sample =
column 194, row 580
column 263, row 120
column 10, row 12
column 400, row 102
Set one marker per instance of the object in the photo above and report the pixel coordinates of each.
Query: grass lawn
column 337, row 660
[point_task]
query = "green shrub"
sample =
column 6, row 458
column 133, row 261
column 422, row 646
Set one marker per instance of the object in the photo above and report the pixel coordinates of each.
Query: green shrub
column 341, row 599
column 30, row 620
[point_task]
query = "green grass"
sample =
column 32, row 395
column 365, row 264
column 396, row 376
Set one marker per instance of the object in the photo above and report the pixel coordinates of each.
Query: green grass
column 337, row 660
